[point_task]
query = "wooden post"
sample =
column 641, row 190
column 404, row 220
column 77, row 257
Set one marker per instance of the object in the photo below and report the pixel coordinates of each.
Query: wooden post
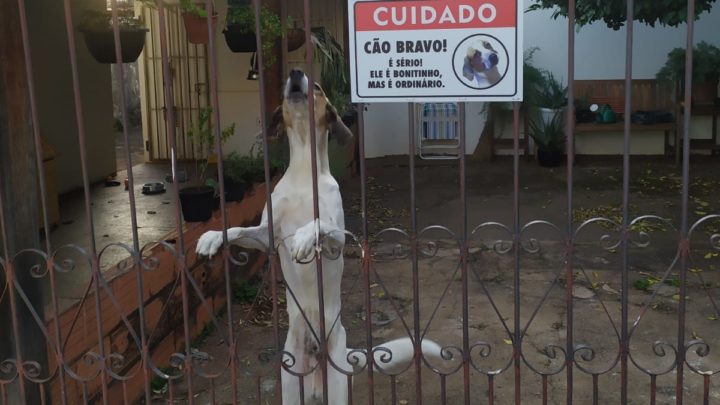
column 18, row 188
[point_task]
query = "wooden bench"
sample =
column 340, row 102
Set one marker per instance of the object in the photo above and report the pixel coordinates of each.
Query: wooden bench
column 647, row 95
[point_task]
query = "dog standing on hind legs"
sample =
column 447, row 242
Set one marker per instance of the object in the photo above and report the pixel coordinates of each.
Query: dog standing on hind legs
column 296, row 232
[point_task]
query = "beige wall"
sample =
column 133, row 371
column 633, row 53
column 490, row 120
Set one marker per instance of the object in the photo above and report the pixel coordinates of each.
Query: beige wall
column 54, row 94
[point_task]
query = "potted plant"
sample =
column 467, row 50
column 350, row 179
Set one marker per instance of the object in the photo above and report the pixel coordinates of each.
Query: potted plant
column 334, row 73
column 197, row 202
column 233, row 177
column 195, row 19
column 240, row 30
column 549, row 137
column 552, row 97
column 97, row 30
column 706, row 71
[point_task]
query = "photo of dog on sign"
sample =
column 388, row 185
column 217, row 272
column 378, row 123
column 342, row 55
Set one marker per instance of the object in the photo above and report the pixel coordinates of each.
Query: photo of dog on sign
column 484, row 62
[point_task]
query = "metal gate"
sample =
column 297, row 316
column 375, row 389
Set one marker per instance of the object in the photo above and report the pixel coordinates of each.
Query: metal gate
column 129, row 367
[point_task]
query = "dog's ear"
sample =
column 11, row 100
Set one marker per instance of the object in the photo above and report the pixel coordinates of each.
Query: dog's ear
column 336, row 128
column 276, row 129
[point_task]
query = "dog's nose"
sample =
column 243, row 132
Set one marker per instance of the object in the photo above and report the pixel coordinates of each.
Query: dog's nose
column 296, row 74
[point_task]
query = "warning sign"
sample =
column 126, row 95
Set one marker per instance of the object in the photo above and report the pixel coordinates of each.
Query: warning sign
column 435, row 50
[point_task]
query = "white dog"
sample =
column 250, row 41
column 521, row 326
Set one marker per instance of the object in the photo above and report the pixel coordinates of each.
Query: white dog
column 296, row 234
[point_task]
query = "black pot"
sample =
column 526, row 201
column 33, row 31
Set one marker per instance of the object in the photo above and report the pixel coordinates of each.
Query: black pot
column 234, row 190
column 101, row 44
column 549, row 157
column 239, row 41
column 197, row 203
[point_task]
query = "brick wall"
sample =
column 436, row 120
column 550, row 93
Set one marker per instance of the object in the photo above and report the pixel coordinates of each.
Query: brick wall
column 162, row 300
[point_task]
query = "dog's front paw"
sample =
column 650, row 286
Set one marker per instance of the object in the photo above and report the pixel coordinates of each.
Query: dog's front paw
column 303, row 242
column 209, row 243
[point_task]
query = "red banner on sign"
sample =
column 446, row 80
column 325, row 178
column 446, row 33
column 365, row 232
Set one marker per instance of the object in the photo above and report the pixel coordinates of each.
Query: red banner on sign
column 434, row 14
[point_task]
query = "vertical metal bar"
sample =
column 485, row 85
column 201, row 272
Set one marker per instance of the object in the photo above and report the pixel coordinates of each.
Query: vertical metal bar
column 349, row 389
column 215, row 102
column 684, row 245
column 393, row 390
column 625, row 277
column 258, row 390
column 544, row 389
column 316, row 206
column 653, row 388
column 366, row 255
column 443, row 389
column 569, row 129
column 464, row 255
column 414, row 250
column 491, row 389
column 301, row 381
column 706, row 389
column 595, row 392
column 516, row 251
column 167, row 87
column 271, row 252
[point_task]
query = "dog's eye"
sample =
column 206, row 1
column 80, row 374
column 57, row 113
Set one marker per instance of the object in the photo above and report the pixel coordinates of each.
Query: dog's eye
column 317, row 87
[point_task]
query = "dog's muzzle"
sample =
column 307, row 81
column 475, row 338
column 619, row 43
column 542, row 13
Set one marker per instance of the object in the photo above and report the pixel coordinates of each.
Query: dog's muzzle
column 296, row 88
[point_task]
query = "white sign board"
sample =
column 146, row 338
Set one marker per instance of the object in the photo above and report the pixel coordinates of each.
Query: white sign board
column 436, row 50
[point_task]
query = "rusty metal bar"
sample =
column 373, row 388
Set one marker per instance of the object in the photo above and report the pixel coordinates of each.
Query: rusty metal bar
column 517, row 329
column 414, row 250
column 625, row 270
column 684, row 243
column 181, row 263
column 491, row 389
column 464, row 254
column 569, row 247
column 366, row 254
column 316, row 205
column 215, row 104
column 271, row 251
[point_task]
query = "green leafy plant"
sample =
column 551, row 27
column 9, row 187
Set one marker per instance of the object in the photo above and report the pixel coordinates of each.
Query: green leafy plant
column 706, row 64
column 244, row 292
column 94, row 20
column 553, row 93
column 550, row 134
column 271, row 27
column 195, row 8
column 204, row 137
column 613, row 12
column 334, row 70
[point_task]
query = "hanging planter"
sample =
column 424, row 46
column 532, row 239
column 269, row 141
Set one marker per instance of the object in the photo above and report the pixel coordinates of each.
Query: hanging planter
column 101, row 44
column 195, row 19
column 196, row 28
column 100, row 39
column 240, row 31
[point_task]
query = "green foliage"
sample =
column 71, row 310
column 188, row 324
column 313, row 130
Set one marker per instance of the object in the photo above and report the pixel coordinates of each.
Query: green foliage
column 271, row 28
column 244, row 292
column 204, row 137
column 706, row 64
column 553, row 93
column 93, row 20
column 613, row 12
column 334, row 70
column 195, row 8
column 549, row 134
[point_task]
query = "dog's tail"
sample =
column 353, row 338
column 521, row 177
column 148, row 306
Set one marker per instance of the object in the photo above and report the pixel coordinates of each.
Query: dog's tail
column 397, row 354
